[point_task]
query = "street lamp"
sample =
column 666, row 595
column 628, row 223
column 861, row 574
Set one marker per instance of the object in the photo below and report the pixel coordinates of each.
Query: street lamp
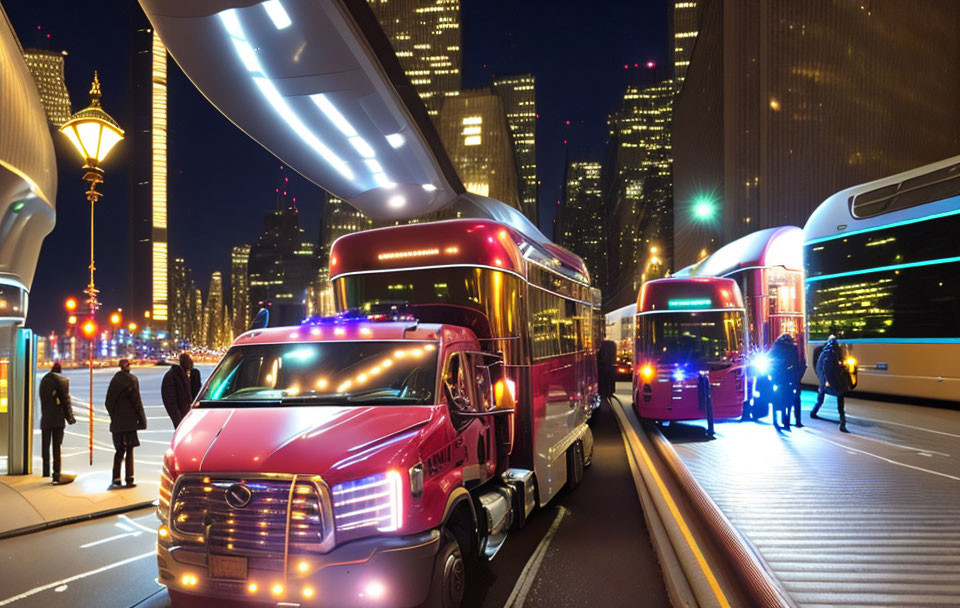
column 93, row 133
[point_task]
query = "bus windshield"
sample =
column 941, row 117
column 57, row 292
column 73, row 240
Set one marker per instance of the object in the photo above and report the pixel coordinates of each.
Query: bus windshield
column 691, row 338
column 324, row 373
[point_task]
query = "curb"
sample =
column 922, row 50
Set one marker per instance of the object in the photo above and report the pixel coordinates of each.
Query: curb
column 753, row 571
column 56, row 523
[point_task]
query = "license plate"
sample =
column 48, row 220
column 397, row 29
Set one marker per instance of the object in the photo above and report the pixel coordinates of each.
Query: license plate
column 228, row 566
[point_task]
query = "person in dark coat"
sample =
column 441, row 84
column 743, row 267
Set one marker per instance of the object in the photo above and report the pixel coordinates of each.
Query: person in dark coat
column 196, row 383
column 175, row 390
column 834, row 379
column 607, row 368
column 126, row 418
column 55, row 413
column 786, row 368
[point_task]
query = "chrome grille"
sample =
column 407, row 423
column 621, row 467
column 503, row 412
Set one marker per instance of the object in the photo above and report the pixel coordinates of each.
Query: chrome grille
column 201, row 514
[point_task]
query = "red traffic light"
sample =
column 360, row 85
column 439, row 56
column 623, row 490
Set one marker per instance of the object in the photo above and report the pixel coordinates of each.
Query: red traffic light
column 89, row 328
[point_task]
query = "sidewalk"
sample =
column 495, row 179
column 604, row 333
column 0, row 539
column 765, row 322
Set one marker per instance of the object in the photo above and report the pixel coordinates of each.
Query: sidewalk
column 31, row 502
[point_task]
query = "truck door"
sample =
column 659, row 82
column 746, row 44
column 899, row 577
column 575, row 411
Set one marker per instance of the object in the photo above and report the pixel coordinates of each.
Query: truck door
column 462, row 379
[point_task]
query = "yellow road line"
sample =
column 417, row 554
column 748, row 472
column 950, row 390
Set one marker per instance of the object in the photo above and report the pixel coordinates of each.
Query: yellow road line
column 675, row 511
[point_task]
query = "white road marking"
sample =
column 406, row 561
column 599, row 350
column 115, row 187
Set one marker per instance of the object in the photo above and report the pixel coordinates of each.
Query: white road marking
column 877, row 456
column 61, row 589
column 109, row 538
column 899, row 445
column 77, row 577
column 909, row 426
column 522, row 587
column 137, row 524
column 123, row 527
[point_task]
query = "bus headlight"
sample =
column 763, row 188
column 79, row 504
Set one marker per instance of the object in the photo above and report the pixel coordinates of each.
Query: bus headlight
column 371, row 504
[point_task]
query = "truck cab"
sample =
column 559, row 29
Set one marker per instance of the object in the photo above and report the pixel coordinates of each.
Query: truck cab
column 342, row 462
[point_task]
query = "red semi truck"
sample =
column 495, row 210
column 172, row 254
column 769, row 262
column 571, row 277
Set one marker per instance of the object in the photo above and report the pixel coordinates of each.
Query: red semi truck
column 360, row 460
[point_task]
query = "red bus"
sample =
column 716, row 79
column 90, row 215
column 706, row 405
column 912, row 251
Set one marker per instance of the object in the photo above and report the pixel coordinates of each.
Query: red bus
column 768, row 267
column 524, row 298
column 685, row 327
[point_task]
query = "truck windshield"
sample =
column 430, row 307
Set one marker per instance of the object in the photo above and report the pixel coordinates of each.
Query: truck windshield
column 324, row 373
column 692, row 338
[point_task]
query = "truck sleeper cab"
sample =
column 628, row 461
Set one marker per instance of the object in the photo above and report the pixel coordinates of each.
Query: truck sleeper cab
column 685, row 327
column 342, row 463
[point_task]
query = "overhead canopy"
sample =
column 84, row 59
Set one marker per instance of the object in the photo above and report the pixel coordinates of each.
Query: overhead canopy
column 316, row 83
column 780, row 246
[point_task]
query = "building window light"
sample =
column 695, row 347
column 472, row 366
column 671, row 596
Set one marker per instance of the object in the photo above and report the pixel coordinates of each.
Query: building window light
column 473, row 120
column 471, row 140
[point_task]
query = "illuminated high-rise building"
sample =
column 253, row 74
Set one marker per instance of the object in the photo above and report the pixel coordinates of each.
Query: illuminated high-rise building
column 240, row 288
column 148, row 181
column 639, row 185
column 181, row 325
column 519, row 101
column 426, row 37
column 686, row 17
column 474, row 131
column 339, row 218
column 582, row 218
column 47, row 69
column 282, row 266
column 774, row 118
column 216, row 318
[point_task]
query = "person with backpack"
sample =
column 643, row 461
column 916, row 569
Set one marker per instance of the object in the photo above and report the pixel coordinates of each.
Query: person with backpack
column 835, row 379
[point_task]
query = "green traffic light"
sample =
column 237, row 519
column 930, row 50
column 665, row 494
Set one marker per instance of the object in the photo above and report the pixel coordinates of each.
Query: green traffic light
column 704, row 209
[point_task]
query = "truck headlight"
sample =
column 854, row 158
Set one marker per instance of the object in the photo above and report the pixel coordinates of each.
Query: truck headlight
column 374, row 503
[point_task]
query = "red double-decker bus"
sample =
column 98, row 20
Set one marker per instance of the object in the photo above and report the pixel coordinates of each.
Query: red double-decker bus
column 528, row 299
column 686, row 327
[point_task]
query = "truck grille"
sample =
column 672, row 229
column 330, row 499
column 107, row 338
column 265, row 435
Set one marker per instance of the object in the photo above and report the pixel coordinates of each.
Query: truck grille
column 201, row 513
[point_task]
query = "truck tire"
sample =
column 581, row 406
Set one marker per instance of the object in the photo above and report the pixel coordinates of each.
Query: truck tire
column 574, row 464
column 449, row 574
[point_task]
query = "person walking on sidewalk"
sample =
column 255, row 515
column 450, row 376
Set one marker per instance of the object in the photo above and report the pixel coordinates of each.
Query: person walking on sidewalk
column 126, row 418
column 55, row 413
column 176, row 391
column 835, row 379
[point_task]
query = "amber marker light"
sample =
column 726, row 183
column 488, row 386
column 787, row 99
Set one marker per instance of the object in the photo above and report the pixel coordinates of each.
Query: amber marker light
column 252, row 587
column 647, row 372
column 163, row 532
column 277, row 589
column 307, row 592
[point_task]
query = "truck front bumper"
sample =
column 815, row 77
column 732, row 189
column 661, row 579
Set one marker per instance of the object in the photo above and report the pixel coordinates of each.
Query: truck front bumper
column 367, row 572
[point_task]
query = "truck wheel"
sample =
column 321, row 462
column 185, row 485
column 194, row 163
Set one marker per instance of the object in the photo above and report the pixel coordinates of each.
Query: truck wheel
column 449, row 575
column 574, row 464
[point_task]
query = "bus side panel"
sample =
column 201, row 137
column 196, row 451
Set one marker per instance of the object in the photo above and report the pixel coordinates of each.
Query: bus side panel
column 559, row 412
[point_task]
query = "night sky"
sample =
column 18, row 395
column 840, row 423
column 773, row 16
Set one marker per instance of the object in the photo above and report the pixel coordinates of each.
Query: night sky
column 221, row 182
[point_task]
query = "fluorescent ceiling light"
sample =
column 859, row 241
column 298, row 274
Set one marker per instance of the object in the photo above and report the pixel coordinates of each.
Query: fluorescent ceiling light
column 283, row 109
column 232, row 23
column 373, row 165
column 279, row 16
column 382, row 180
column 397, row 201
column 396, row 140
column 334, row 115
column 247, row 55
column 429, row 187
column 362, row 147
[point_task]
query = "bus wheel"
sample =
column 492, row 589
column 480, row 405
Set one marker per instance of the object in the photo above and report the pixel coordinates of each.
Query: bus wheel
column 575, row 464
column 449, row 574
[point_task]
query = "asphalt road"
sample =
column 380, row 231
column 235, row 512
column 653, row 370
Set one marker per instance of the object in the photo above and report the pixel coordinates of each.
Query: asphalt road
column 588, row 547
column 869, row 518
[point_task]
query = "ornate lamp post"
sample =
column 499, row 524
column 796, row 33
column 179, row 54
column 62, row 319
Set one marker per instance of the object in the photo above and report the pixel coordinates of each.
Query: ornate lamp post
column 93, row 133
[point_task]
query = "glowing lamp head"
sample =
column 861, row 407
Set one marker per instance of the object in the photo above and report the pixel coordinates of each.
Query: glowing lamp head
column 851, row 363
column 678, row 375
column 761, row 364
column 375, row 590
column 72, row 319
column 132, row 327
column 647, row 372
column 115, row 319
column 704, row 209
column 91, row 130
column 71, row 304
column 89, row 329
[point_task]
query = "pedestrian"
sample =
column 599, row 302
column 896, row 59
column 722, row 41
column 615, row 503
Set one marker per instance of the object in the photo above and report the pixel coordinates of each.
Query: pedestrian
column 835, row 379
column 126, row 418
column 55, row 413
column 786, row 369
column 196, row 383
column 175, row 389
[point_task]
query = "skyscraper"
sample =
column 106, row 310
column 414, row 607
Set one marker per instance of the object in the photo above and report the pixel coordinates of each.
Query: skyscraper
column 519, row 101
column 216, row 318
column 685, row 21
column 47, row 68
column 148, row 181
column 282, row 266
column 339, row 219
column 426, row 37
column 474, row 131
column 785, row 103
column 582, row 217
column 182, row 305
column 240, row 288
column 639, row 185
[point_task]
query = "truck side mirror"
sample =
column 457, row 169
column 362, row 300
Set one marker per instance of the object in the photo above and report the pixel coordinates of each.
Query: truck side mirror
column 503, row 396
